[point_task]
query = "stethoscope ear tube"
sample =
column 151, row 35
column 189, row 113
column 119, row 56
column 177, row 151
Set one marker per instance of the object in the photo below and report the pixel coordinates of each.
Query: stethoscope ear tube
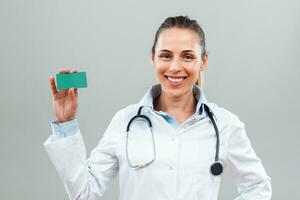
column 139, row 116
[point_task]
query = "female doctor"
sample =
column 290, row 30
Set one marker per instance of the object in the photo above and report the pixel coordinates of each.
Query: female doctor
column 172, row 144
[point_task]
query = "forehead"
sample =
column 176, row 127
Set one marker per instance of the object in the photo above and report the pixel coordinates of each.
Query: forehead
column 178, row 39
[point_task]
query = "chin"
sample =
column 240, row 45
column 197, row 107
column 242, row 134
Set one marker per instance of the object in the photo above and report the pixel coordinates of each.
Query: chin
column 175, row 92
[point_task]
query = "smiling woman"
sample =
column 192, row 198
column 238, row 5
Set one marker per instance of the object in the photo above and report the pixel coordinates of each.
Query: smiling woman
column 179, row 58
column 173, row 142
column 194, row 39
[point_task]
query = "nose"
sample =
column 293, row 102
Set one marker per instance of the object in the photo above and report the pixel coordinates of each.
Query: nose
column 175, row 65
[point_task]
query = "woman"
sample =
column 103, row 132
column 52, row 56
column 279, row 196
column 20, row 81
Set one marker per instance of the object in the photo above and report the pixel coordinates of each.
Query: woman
column 184, row 153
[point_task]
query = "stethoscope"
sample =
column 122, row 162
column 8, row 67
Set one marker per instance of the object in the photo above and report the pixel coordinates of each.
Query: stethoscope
column 216, row 168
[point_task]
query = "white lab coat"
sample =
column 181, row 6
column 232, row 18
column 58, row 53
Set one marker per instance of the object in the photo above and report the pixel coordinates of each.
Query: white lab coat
column 181, row 167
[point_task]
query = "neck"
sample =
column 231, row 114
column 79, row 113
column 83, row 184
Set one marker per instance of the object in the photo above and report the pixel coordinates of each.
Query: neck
column 170, row 104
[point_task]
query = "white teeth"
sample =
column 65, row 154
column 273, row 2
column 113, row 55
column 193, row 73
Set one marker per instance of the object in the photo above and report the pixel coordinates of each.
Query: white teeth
column 176, row 80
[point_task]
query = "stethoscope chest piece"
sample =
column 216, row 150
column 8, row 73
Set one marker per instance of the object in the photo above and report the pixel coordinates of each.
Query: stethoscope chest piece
column 216, row 168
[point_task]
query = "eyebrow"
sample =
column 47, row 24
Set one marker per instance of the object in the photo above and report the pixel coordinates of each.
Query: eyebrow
column 184, row 51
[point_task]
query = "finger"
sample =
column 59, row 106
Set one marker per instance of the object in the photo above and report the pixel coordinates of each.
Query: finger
column 76, row 92
column 67, row 70
column 72, row 93
column 53, row 86
column 75, row 70
column 64, row 70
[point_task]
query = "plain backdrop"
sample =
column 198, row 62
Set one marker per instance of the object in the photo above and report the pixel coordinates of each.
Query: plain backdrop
column 253, row 71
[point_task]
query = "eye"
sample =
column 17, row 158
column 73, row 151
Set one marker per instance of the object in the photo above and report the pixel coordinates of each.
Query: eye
column 165, row 56
column 188, row 57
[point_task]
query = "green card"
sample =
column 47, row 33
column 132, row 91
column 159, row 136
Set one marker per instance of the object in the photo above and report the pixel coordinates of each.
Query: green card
column 71, row 80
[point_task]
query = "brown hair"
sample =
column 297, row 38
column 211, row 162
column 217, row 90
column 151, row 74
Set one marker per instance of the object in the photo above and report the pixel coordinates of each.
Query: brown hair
column 186, row 23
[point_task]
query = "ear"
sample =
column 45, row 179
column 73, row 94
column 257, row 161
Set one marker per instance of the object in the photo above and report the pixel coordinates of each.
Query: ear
column 204, row 62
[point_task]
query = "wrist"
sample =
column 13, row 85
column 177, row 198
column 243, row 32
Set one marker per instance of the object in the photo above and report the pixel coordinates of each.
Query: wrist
column 65, row 120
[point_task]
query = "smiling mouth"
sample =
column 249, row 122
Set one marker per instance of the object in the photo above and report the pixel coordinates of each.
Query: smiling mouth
column 175, row 79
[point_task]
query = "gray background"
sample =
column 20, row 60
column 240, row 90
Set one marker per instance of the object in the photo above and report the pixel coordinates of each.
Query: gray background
column 253, row 71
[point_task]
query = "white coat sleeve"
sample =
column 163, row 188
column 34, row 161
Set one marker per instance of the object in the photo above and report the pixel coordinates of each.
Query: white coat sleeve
column 85, row 178
column 245, row 167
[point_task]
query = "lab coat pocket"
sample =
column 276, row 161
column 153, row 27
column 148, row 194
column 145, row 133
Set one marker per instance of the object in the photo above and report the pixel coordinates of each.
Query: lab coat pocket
column 203, row 180
column 204, row 184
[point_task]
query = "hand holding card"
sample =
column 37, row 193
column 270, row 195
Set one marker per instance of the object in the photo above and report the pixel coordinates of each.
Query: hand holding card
column 65, row 96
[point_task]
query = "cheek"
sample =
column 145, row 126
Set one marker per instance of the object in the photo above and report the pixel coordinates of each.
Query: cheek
column 161, row 68
column 193, row 70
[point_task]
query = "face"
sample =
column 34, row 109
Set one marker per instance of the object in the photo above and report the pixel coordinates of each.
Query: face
column 177, row 60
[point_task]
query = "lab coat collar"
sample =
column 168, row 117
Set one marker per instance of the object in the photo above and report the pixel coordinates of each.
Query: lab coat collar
column 155, row 90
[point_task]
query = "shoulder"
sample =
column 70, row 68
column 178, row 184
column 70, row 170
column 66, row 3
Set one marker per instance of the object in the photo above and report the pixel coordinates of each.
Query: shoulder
column 128, row 110
column 119, row 121
column 229, row 124
column 126, row 113
column 224, row 116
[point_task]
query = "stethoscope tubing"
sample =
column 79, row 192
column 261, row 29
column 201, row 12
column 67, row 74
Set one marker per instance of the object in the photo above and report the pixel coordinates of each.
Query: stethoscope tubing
column 216, row 168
